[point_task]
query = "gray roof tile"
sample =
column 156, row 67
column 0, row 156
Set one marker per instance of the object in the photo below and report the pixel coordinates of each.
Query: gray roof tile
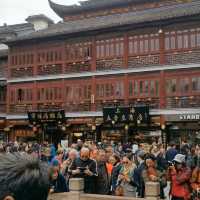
column 138, row 17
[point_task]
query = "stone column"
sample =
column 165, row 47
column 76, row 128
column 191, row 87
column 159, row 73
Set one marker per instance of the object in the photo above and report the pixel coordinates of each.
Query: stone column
column 152, row 191
column 76, row 187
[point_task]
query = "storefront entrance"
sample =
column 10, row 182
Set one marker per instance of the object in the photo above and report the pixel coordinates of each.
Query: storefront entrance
column 187, row 131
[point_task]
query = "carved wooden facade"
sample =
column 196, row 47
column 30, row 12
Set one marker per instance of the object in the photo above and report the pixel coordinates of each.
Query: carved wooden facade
column 127, row 50
column 150, row 63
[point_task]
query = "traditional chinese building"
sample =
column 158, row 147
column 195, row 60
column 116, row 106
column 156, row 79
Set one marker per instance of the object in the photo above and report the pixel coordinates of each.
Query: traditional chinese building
column 110, row 53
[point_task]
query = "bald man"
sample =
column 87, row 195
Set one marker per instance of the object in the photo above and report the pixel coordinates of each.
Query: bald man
column 84, row 167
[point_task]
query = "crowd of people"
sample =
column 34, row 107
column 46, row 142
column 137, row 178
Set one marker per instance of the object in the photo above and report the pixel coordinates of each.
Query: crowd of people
column 118, row 169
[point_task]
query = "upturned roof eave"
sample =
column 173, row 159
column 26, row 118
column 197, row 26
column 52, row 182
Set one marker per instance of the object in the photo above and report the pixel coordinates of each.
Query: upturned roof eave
column 64, row 10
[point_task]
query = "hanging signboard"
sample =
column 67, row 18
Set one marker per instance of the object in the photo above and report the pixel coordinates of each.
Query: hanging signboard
column 126, row 114
column 46, row 116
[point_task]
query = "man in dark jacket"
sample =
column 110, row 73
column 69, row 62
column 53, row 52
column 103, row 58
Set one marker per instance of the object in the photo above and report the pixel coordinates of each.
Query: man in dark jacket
column 86, row 168
column 137, row 176
column 102, row 180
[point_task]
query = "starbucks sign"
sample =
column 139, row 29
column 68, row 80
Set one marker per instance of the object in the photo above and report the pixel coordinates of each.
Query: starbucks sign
column 187, row 117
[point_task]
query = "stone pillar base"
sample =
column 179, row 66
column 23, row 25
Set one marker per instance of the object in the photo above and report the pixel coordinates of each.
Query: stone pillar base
column 152, row 190
column 76, row 184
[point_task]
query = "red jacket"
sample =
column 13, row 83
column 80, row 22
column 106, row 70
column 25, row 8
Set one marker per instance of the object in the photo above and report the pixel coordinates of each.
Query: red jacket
column 195, row 179
column 180, row 182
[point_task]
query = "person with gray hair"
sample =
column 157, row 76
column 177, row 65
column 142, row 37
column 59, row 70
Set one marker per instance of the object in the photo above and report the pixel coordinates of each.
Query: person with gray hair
column 23, row 177
column 72, row 155
column 84, row 167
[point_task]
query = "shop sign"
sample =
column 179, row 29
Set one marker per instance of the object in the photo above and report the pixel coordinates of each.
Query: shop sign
column 126, row 114
column 155, row 133
column 46, row 116
column 190, row 117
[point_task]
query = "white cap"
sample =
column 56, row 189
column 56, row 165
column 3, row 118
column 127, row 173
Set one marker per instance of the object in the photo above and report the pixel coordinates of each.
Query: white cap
column 179, row 158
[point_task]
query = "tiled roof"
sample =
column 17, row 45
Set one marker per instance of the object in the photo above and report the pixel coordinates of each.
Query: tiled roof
column 117, row 20
column 18, row 29
column 63, row 10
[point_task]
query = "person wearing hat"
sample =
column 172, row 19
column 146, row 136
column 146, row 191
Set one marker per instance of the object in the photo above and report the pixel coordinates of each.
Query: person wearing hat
column 179, row 175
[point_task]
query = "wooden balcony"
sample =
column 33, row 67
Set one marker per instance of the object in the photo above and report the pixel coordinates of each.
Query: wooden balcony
column 20, row 108
column 183, row 102
column 77, row 107
column 84, row 106
column 100, row 104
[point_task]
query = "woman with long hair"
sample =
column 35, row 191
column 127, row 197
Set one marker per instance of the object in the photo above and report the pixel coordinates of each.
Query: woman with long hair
column 126, row 176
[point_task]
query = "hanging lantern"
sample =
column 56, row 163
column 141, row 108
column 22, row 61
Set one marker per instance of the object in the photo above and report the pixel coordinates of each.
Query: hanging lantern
column 63, row 128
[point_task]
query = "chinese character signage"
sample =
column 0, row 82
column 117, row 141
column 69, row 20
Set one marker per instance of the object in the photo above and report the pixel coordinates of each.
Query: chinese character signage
column 142, row 113
column 46, row 116
column 126, row 114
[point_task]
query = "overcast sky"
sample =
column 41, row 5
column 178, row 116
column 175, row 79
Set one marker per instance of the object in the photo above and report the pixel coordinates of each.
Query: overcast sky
column 16, row 11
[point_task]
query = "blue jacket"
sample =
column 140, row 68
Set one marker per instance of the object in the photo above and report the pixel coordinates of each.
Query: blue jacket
column 59, row 185
column 170, row 154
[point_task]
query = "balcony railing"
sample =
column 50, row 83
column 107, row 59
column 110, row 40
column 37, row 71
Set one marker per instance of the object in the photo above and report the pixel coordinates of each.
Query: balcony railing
column 183, row 102
column 77, row 107
column 20, row 108
column 154, row 103
column 84, row 106
column 99, row 104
